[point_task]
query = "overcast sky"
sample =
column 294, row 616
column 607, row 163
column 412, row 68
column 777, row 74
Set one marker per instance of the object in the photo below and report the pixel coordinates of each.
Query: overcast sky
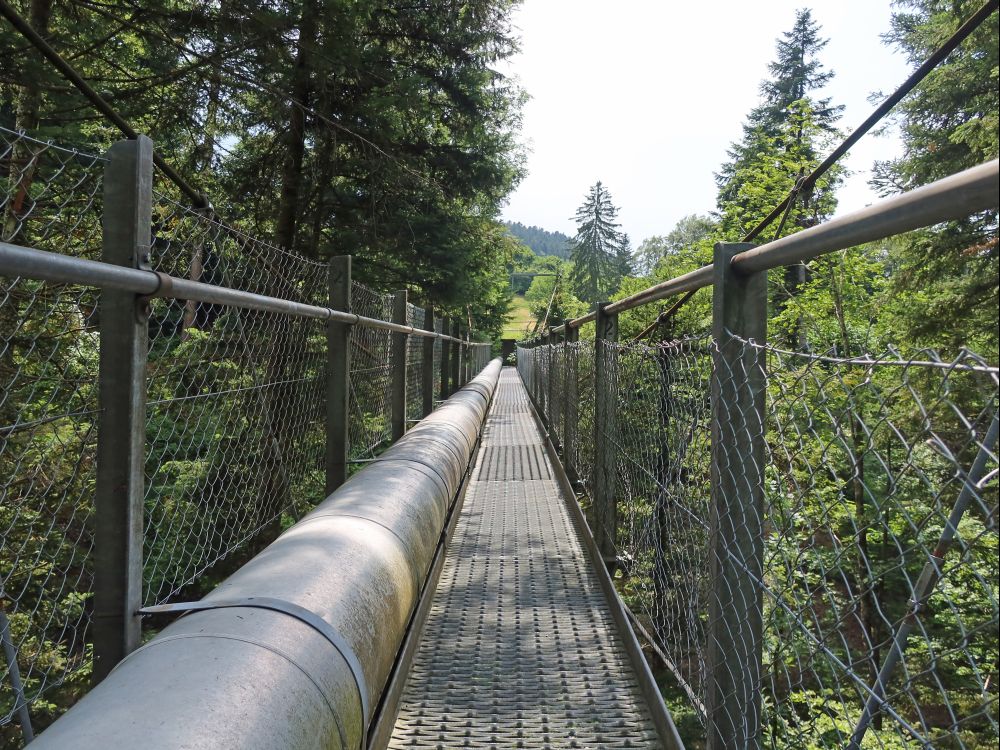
column 647, row 95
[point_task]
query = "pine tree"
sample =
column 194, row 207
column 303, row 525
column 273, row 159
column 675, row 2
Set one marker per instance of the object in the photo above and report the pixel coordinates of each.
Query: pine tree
column 596, row 248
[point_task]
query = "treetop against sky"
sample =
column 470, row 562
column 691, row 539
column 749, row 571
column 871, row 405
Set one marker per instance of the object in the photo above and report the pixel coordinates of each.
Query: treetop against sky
column 648, row 96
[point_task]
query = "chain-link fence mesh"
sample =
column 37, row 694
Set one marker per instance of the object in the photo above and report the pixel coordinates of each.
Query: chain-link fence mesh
column 371, row 375
column 50, row 199
column 861, row 463
column 235, row 415
column 480, row 356
column 235, row 411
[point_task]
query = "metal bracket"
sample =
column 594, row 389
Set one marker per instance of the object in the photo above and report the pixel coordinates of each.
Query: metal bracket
column 301, row 614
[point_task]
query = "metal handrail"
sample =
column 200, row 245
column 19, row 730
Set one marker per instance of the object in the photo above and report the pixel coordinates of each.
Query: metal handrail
column 954, row 197
column 48, row 266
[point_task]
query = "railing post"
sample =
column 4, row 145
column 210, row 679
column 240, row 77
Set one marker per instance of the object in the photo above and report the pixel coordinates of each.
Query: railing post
column 570, row 416
column 338, row 375
column 467, row 370
column 445, row 358
column 470, row 359
column 456, row 360
column 124, row 331
column 739, row 311
column 605, row 435
column 398, row 360
column 427, row 365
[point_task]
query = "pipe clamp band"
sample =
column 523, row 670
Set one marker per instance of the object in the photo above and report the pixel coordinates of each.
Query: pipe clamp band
column 302, row 614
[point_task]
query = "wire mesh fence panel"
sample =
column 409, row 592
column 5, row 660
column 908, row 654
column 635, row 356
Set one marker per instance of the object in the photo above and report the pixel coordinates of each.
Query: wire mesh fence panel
column 50, row 199
column 50, row 196
column 867, row 466
column 414, row 365
column 371, row 375
column 235, row 431
column 557, row 391
column 662, row 452
column 581, row 457
column 865, row 463
column 482, row 355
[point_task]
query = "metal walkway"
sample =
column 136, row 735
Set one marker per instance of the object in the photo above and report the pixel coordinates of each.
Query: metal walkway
column 520, row 649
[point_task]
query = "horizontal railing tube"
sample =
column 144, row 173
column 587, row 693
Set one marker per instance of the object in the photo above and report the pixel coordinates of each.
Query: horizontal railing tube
column 295, row 648
column 954, row 197
column 47, row 266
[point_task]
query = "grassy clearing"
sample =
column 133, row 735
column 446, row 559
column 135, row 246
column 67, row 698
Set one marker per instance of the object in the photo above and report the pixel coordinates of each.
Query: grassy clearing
column 519, row 319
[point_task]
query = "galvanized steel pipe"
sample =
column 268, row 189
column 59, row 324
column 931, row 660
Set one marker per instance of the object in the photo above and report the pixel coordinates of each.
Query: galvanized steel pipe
column 294, row 650
column 64, row 269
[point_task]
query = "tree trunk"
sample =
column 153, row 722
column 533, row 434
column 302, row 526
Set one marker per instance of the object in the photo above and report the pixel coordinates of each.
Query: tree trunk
column 204, row 155
column 291, row 168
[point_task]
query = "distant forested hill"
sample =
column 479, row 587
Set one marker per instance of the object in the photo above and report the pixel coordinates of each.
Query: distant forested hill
column 539, row 240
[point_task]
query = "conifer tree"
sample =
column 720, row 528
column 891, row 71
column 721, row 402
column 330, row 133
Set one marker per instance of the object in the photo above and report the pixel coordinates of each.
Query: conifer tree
column 624, row 259
column 787, row 122
column 944, row 282
column 597, row 247
column 783, row 139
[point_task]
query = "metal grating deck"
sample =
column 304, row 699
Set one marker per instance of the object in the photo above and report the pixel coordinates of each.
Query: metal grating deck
column 520, row 649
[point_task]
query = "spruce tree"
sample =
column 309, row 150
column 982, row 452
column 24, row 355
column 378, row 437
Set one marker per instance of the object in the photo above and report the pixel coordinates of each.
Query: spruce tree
column 783, row 138
column 787, row 122
column 945, row 279
column 624, row 260
column 597, row 247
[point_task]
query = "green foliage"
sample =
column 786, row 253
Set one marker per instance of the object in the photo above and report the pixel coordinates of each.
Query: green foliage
column 783, row 140
column 770, row 160
column 550, row 299
column 688, row 232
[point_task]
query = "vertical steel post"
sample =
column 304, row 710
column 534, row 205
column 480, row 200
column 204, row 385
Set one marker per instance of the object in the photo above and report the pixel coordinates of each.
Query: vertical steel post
column 551, row 420
column 124, row 331
column 463, row 357
column 467, row 370
column 739, row 311
column 338, row 375
column 605, row 435
column 456, row 360
column 399, row 345
column 427, row 365
column 570, row 396
column 445, row 358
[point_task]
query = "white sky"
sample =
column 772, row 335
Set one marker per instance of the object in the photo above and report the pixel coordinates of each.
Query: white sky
column 647, row 95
